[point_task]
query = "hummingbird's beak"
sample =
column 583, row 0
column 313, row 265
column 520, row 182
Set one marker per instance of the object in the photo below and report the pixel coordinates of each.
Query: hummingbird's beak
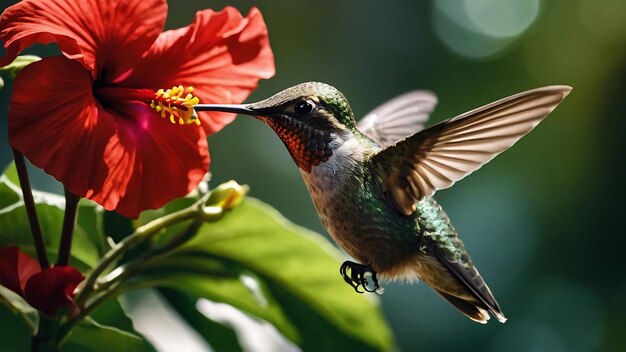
column 243, row 109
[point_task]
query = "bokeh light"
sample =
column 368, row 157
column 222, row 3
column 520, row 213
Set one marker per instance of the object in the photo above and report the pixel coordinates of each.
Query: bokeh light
column 482, row 28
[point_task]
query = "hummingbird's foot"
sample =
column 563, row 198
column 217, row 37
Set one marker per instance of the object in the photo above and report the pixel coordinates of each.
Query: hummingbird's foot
column 357, row 278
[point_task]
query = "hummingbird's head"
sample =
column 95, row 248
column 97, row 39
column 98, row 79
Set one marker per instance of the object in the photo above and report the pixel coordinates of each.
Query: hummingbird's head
column 316, row 105
column 312, row 119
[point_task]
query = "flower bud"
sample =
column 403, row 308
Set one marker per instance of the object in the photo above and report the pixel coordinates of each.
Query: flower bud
column 19, row 63
column 227, row 195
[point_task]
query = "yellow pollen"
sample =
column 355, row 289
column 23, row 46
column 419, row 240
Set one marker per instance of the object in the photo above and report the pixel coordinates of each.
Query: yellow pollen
column 171, row 103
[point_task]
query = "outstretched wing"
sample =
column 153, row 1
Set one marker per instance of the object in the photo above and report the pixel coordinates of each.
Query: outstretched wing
column 440, row 155
column 399, row 117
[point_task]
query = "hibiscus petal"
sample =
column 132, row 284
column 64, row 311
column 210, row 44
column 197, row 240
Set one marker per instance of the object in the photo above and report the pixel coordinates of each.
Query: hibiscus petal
column 16, row 268
column 52, row 288
column 120, row 154
column 151, row 160
column 107, row 37
column 54, row 122
column 221, row 54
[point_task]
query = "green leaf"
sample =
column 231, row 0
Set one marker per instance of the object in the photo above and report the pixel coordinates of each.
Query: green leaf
column 109, row 330
column 15, row 228
column 15, row 334
column 10, row 172
column 91, row 336
column 91, row 220
column 257, row 261
column 111, row 313
column 9, row 187
column 19, row 307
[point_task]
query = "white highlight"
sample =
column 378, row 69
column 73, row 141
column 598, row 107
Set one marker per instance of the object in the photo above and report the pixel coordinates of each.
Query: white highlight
column 161, row 325
column 254, row 335
column 252, row 284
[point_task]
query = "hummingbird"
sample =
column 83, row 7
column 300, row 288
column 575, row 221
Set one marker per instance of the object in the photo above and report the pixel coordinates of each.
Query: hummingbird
column 372, row 182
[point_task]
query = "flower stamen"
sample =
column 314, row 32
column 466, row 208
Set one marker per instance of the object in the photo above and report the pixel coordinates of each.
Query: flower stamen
column 172, row 102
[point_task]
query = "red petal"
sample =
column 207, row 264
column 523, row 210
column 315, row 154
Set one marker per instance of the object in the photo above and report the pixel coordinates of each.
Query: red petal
column 54, row 121
column 16, row 268
column 152, row 161
column 52, row 288
column 107, row 36
column 128, row 159
column 221, row 54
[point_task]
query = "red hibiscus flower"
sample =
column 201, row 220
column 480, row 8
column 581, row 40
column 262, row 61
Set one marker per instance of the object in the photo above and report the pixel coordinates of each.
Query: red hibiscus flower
column 47, row 290
column 85, row 117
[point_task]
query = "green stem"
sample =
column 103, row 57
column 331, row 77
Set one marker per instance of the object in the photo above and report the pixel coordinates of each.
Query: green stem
column 69, row 222
column 209, row 214
column 138, row 264
column 142, row 233
column 45, row 340
column 181, row 237
column 29, row 204
column 117, row 285
column 65, row 329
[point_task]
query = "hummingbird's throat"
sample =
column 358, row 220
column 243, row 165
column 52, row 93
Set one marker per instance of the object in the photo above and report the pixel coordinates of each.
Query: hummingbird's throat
column 177, row 103
column 308, row 146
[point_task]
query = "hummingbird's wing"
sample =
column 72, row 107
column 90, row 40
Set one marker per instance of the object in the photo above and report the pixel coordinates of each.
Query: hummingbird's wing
column 399, row 117
column 440, row 155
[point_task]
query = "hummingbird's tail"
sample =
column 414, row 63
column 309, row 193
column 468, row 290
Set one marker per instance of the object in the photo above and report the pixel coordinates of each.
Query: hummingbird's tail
column 443, row 264
column 457, row 282
column 477, row 301
column 462, row 286
column 474, row 310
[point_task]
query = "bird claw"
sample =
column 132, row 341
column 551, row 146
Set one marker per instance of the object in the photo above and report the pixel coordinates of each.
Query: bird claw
column 356, row 277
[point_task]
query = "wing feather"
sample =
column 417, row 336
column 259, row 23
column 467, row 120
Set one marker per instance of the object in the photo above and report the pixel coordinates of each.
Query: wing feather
column 437, row 157
column 399, row 117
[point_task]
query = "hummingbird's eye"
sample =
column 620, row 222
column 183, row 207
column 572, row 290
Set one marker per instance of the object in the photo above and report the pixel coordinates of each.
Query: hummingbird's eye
column 303, row 107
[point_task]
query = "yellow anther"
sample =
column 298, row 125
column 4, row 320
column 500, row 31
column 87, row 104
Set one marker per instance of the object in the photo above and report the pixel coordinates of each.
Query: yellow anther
column 172, row 102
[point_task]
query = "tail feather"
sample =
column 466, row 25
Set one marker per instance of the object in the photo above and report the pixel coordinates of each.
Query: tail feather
column 455, row 278
column 472, row 309
column 481, row 301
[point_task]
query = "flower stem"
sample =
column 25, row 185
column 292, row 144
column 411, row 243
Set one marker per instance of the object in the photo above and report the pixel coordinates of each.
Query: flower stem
column 110, row 294
column 69, row 222
column 142, row 233
column 65, row 329
column 31, row 211
column 45, row 340
column 138, row 264
column 211, row 207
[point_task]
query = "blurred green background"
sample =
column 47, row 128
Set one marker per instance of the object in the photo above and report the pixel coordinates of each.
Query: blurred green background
column 542, row 221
